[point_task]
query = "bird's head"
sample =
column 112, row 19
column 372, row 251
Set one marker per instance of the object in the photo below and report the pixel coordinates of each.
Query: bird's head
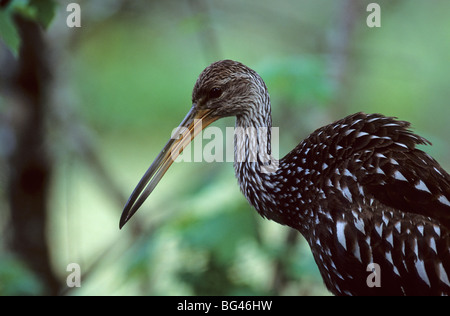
column 225, row 88
column 228, row 88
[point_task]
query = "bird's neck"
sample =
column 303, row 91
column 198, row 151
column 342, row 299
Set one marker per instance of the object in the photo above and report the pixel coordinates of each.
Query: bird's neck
column 252, row 140
column 254, row 130
column 254, row 164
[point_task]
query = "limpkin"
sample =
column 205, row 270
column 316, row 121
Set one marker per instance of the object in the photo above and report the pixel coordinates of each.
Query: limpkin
column 358, row 190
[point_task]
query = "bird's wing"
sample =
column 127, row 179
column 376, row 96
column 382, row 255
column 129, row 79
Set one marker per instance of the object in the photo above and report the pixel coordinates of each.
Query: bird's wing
column 374, row 191
column 382, row 154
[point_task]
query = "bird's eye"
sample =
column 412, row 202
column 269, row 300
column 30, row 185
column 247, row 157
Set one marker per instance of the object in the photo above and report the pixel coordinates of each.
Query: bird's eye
column 214, row 93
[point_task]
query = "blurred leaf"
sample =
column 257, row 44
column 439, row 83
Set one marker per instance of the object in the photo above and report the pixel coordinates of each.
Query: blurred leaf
column 142, row 253
column 301, row 264
column 45, row 11
column 8, row 32
column 41, row 11
column 218, row 283
column 219, row 233
column 16, row 279
column 192, row 24
column 23, row 8
column 298, row 80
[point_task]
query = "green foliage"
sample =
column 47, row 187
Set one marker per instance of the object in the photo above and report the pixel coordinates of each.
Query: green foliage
column 218, row 236
column 219, row 233
column 41, row 11
column 44, row 11
column 8, row 32
column 16, row 278
column 298, row 80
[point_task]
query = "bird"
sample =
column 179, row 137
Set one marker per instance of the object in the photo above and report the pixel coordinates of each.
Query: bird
column 372, row 206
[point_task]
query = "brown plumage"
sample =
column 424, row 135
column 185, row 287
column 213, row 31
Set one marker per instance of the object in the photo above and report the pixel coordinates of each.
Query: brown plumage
column 358, row 190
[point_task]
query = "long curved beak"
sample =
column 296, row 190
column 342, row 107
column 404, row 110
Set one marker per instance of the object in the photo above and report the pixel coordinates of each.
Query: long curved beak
column 194, row 122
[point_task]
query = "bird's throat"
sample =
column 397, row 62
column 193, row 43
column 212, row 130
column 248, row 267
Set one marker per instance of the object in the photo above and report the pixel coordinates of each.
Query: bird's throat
column 254, row 164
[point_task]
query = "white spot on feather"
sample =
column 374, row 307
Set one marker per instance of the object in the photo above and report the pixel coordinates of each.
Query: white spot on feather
column 348, row 173
column 437, row 170
column 374, row 119
column 356, row 122
column 399, row 176
column 437, row 229
column 348, row 132
column 420, row 228
column 347, row 194
column 398, row 226
column 393, row 162
column 389, row 257
column 385, row 219
column 379, row 171
column 390, row 239
column 390, row 124
column 359, row 224
column 378, row 229
column 396, row 271
column 361, row 190
column 422, row 186
column 433, row 244
column 401, row 145
column 357, row 252
column 360, row 134
column 443, row 275
column 444, row 200
column 340, row 227
column 420, row 267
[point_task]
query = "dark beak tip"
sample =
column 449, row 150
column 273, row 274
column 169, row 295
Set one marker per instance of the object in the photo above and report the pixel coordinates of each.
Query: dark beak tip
column 123, row 220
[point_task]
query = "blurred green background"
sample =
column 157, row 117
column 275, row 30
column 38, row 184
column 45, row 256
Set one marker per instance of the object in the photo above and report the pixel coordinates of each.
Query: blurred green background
column 123, row 81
